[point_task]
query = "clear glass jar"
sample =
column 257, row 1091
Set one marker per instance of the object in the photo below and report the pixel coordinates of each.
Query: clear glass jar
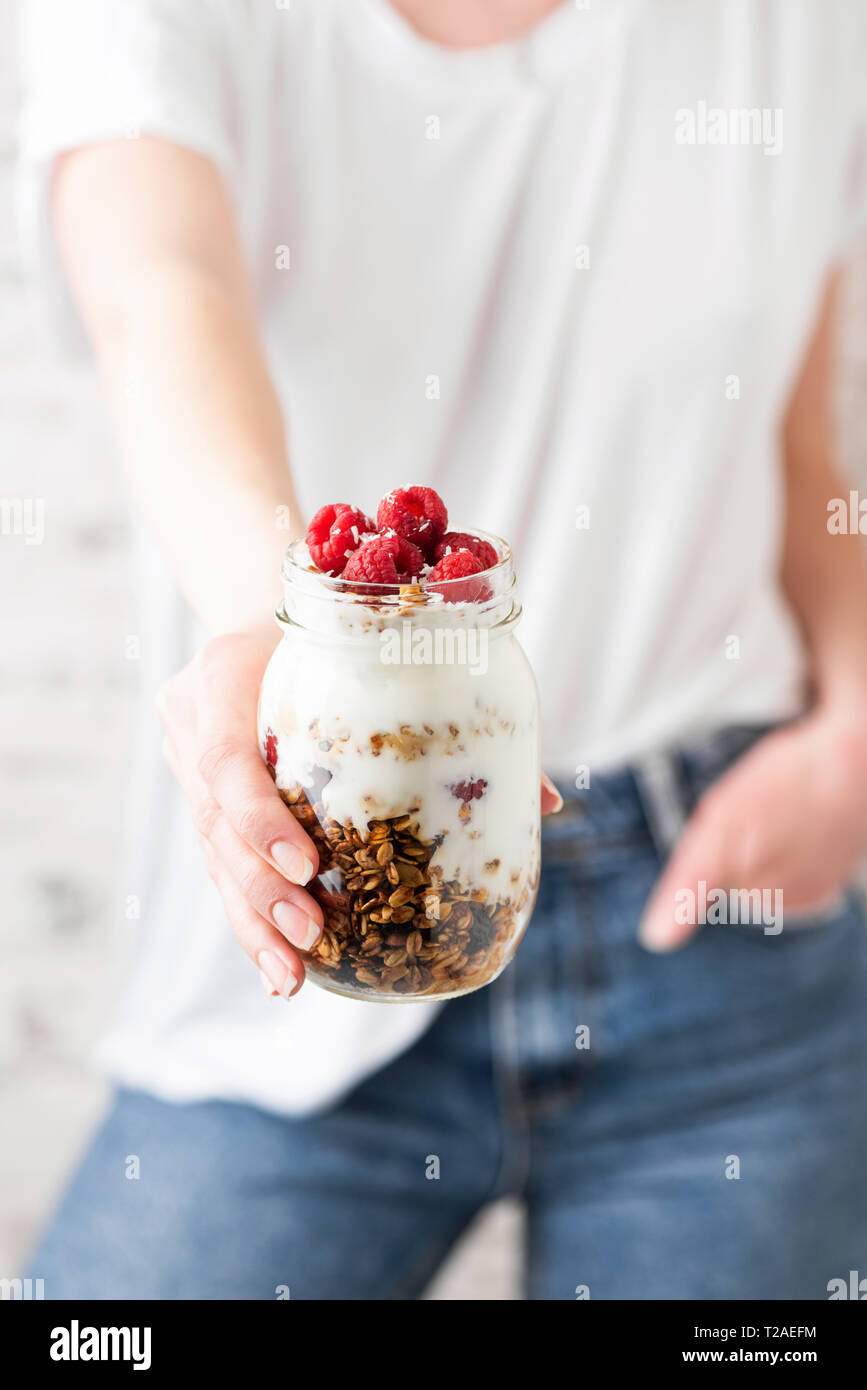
column 402, row 730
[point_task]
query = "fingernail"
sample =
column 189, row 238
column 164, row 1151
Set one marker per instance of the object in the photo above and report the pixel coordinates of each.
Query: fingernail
column 267, row 985
column 294, row 923
column 549, row 787
column 295, row 865
column 277, row 970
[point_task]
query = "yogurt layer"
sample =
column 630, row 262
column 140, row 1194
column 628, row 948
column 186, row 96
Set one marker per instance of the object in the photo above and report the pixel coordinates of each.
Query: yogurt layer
column 456, row 745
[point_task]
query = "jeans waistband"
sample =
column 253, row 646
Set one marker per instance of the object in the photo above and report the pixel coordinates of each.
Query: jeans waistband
column 651, row 797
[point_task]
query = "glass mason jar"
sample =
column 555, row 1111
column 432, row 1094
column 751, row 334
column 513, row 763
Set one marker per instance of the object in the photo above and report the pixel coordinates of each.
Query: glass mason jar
column 401, row 727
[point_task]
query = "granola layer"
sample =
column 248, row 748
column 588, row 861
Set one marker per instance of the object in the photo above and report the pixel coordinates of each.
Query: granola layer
column 393, row 926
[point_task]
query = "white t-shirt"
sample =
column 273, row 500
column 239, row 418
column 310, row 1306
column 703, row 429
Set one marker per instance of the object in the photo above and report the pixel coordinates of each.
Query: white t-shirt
column 568, row 282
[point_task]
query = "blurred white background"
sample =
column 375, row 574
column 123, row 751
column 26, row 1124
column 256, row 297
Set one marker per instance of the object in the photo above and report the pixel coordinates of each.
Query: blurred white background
column 66, row 694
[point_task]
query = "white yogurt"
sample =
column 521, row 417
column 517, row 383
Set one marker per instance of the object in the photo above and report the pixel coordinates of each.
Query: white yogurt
column 402, row 737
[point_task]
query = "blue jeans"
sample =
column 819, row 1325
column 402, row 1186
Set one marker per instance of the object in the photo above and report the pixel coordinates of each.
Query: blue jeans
column 708, row 1143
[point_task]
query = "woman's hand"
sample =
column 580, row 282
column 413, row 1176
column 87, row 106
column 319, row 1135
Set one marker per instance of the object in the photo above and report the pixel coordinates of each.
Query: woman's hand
column 791, row 815
column 255, row 850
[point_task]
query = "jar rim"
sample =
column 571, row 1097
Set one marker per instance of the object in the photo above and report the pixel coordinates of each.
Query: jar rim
column 294, row 570
column 330, row 604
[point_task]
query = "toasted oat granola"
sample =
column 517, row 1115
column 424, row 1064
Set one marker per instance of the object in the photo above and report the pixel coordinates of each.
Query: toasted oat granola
column 392, row 926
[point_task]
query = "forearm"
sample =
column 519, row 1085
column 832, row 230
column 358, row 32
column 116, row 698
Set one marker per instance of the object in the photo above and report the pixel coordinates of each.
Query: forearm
column 823, row 574
column 202, row 443
column 825, row 578
column 149, row 240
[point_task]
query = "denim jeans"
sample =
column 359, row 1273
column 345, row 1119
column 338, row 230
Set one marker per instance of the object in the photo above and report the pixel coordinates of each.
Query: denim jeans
column 682, row 1126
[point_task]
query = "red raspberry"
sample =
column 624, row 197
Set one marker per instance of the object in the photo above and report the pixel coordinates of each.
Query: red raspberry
column 462, row 540
column 334, row 533
column 416, row 513
column 270, row 748
column 471, row 790
column 459, row 564
column 385, row 560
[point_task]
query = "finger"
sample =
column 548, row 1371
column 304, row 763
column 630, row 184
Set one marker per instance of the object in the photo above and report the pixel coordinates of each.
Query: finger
column 809, row 906
column 267, row 986
column 229, row 762
column 552, row 801
column 669, row 919
column 264, row 945
column 295, row 913
column 238, row 781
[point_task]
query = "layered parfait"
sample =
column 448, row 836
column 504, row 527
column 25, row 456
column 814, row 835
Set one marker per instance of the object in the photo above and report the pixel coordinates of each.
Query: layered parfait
column 399, row 720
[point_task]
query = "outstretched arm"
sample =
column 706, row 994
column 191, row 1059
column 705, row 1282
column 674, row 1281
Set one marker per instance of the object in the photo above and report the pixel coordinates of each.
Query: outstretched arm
column 148, row 238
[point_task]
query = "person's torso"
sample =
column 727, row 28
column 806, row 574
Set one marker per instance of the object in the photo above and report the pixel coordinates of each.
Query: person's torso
column 567, row 281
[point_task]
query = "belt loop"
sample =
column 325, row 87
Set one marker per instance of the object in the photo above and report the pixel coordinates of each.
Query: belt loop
column 663, row 798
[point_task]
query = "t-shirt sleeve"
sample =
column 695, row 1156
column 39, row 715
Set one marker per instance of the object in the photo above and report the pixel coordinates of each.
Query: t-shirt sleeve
column 853, row 217
column 854, row 228
column 105, row 70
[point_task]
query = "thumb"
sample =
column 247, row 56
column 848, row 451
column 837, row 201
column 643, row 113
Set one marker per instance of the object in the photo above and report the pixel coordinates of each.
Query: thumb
column 670, row 919
column 552, row 801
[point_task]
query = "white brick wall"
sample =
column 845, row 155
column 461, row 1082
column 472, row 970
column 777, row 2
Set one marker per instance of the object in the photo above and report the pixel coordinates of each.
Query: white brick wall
column 65, row 701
